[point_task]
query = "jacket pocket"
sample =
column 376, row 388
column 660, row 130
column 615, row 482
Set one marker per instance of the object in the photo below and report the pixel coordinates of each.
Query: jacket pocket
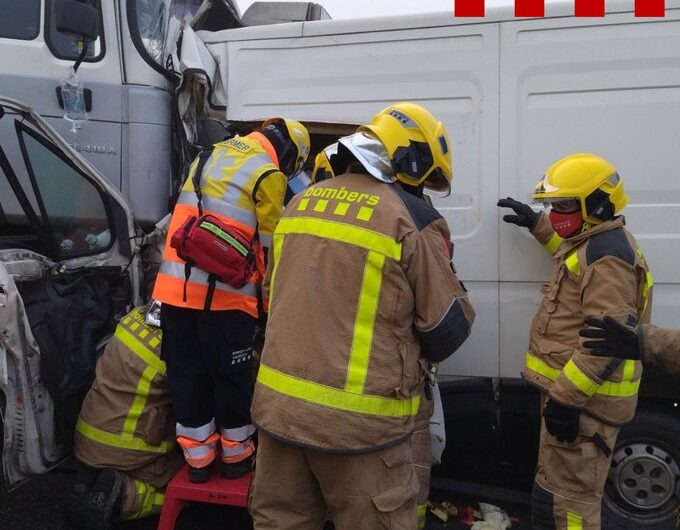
column 397, row 505
column 154, row 428
column 573, row 467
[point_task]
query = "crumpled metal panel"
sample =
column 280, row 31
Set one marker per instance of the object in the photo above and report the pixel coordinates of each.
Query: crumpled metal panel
column 28, row 445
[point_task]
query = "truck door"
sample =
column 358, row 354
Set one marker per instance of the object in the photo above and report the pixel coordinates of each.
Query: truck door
column 36, row 57
column 68, row 270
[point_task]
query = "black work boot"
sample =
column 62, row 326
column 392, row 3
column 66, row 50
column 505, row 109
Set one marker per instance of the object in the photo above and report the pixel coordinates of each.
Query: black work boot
column 237, row 469
column 105, row 498
column 199, row 475
column 94, row 504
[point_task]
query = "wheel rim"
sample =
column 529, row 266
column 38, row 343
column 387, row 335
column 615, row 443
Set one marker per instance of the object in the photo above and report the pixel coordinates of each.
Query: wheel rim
column 644, row 476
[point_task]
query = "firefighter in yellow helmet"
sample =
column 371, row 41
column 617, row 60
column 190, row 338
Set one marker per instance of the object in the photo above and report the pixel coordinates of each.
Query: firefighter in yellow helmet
column 322, row 164
column 208, row 325
column 421, row 445
column 598, row 270
column 378, row 296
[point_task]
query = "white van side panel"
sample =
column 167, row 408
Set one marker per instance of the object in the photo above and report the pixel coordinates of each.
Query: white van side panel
column 348, row 78
column 612, row 88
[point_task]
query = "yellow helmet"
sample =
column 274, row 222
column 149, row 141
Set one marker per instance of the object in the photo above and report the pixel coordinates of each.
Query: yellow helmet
column 322, row 164
column 418, row 145
column 590, row 179
column 299, row 137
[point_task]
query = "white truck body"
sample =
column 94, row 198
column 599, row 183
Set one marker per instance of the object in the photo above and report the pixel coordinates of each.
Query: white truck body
column 515, row 95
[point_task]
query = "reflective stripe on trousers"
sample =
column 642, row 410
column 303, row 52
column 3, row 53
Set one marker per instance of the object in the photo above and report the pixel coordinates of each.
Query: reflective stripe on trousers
column 149, row 501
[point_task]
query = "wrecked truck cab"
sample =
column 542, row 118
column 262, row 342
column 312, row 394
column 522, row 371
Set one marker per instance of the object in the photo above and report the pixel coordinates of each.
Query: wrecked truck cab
column 68, row 270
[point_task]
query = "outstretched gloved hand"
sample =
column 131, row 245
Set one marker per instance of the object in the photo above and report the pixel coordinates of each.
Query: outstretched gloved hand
column 525, row 215
column 562, row 421
column 616, row 340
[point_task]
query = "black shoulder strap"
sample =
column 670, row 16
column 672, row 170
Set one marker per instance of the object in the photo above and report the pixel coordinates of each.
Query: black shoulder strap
column 196, row 177
column 260, row 179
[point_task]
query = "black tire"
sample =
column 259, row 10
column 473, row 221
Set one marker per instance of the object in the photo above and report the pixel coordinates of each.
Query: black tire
column 643, row 486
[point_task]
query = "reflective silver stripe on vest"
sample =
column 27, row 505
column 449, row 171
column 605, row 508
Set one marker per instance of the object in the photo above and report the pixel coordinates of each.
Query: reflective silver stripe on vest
column 200, row 277
column 238, row 434
column 218, row 206
column 196, row 433
column 235, row 187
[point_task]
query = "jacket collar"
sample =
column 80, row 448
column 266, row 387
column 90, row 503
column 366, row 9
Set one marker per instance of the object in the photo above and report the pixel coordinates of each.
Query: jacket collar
column 572, row 242
column 266, row 145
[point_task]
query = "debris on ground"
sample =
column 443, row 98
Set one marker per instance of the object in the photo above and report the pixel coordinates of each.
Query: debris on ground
column 492, row 518
column 443, row 510
column 486, row 517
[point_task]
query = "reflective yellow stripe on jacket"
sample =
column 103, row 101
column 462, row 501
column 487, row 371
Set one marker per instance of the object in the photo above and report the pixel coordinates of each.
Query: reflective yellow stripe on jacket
column 626, row 388
column 144, row 341
column 351, row 397
column 578, row 377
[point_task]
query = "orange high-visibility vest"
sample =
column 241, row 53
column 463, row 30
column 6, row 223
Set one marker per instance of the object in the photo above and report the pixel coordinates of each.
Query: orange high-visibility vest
column 235, row 182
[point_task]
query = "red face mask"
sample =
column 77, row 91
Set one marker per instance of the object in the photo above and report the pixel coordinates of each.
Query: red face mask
column 566, row 224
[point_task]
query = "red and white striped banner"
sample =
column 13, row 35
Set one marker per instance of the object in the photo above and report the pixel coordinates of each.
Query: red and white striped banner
column 536, row 8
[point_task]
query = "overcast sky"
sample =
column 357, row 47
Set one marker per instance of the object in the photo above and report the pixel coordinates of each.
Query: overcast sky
column 372, row 8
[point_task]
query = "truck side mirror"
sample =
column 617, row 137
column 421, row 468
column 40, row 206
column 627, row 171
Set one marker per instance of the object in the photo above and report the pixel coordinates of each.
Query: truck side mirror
column 78, row 17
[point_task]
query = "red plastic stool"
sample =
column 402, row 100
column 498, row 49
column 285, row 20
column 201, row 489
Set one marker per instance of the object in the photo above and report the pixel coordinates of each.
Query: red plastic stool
column 217, row 490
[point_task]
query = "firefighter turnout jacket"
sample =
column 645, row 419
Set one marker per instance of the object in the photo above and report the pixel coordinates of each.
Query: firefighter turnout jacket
column 126, row 420
column 598, row 272
column 241, row 185
column 660, row 348
column 369, row 265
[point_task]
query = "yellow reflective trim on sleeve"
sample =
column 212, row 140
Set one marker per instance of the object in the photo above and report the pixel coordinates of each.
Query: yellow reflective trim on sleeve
column 580, row 379
column 628, row 370
column 574, row 521
column 138, row 404
column 571, row 262
column 553, row 243
column 623, row 389
column 365, row 323
column 336, row 398
column 539, row 366
column 148, row 356
column 114, row 440
column 345, row 233
column 608, row 388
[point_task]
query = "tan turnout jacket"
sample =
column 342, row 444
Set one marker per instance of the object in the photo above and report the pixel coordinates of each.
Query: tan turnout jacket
column 126, row 419
column 661, row 348
column 598, row 272
column 361, row 286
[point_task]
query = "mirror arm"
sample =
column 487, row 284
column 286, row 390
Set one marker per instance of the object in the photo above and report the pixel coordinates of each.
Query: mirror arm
column 82, row 55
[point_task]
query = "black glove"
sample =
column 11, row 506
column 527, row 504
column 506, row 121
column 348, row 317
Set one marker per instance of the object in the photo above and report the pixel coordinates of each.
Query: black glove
column 616, row 340
column 561, row 421
column 525, row 217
